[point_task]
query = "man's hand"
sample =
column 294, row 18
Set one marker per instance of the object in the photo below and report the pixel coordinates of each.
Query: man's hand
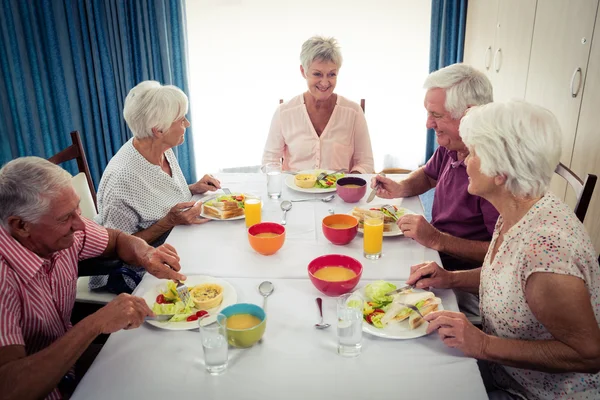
column 456, row 331
column 429, row 274
column 187, row 213
column 124, row 312
column 416, row 227
column 163, row 262
column 387, row 187
column 205, row 184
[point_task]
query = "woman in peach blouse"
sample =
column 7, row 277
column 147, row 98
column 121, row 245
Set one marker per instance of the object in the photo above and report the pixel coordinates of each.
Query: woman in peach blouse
column 320, row 129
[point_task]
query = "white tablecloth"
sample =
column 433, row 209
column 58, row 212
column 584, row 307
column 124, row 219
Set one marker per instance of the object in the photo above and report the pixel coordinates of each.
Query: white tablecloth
column 295, row 360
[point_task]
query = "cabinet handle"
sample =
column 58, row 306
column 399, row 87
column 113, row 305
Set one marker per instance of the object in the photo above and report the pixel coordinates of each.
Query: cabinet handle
column 496, row 67
column 574, row 93
column 487, row 58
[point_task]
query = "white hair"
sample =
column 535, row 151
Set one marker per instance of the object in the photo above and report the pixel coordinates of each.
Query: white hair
column 27, row 186
column 516, row 139
column 152, row 105
column 320, row 48
column 465, row 86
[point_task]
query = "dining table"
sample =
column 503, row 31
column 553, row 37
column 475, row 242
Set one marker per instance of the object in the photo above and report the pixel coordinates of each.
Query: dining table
column 294, row 360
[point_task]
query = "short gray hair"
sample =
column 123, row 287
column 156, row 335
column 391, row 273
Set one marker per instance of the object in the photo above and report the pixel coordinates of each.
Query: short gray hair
column 322, row 49
column 152, row 105
column 465, row 86
column 517, row 139
column 27, row 186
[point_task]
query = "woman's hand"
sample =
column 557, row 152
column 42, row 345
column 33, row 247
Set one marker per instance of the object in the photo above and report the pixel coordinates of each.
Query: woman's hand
column 429, row 274
column 207, row 183
column 187, row 213
column 457, row 332
column 387, row 187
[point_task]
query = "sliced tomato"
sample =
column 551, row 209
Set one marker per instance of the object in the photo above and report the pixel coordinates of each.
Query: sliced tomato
column 201, row 313
column 192, row 317
column 239, row 198
column 160, row 299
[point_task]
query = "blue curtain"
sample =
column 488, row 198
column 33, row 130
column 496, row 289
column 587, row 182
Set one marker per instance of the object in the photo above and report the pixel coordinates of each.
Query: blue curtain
column 448, row 22
column 68, row 65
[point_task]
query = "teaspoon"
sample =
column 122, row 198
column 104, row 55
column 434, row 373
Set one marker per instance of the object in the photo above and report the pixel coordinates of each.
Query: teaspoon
column 321, row 324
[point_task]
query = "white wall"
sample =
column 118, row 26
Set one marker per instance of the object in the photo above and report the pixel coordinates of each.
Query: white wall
column 244, row 57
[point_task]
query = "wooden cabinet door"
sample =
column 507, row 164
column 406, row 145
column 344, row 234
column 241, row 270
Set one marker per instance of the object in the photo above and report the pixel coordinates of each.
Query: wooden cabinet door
column 561, row 45
column 479, row 35
column 510, row 61
column 586, row 154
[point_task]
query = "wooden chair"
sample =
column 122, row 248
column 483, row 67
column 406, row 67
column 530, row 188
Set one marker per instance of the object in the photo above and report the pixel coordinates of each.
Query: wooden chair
column 396, row 171
column 76, row 152
column 583, row 189
column 362, row 103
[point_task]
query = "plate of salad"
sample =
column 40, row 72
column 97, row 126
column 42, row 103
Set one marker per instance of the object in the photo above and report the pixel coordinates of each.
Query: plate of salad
column 225, row 206
column 385, row 316
column 389, row 224
column 323, row 186
column 163, row 299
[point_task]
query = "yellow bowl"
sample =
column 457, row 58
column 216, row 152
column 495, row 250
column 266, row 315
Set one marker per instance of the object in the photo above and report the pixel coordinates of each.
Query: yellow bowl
column 207, row 295
column 305, row 181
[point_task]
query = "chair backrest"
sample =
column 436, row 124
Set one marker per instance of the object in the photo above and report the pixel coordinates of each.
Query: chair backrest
column 583, row 189
column 396, row 171
column 76, row 152
column 362, row 103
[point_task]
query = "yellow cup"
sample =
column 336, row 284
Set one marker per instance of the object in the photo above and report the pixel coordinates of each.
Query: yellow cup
column 252, row 210
column 373, row 235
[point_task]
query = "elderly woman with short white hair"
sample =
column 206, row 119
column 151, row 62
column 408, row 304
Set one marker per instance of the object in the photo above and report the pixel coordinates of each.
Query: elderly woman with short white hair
column 143, row 191
column 320, row 129
column 539, row 284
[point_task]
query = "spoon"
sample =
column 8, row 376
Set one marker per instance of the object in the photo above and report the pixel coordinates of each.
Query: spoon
column 286, row 206
column 321, row 324
column 331, row 211
column 266, row 289
column 324, row 199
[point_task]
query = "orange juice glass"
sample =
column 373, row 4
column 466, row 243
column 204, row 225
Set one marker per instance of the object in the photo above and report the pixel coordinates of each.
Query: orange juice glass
column 252, row 210
column 373, row 235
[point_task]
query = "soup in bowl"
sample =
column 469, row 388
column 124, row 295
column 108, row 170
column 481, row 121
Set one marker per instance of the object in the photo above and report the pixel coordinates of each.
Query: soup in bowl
column 340, row 229
column 335, row 274
column 351, row 189
column 266, row 237
column 246, row 324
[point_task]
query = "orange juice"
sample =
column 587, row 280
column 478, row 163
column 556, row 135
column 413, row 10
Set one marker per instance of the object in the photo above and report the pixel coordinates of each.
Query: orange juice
column 252, row 210
column 373, row 235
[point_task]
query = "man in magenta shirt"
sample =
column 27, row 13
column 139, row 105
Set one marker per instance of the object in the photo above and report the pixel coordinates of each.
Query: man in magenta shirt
column 462, row 224
column 42, row 239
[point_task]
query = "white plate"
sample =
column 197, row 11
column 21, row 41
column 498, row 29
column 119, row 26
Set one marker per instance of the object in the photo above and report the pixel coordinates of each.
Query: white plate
column 229, row 298
column 396, row 330
column 219, row 219
column 289, row 181
column 395, row 230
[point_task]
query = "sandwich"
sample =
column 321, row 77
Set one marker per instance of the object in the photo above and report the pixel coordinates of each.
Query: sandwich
column 225, row 207
column 426, row 302
column 389, row 221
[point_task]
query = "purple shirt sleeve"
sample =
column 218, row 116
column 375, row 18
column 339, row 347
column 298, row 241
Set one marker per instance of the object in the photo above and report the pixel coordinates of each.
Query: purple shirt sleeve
column 435, row 163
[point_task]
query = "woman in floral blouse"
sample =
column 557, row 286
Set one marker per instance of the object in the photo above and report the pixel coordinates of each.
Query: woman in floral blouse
column 539, row 284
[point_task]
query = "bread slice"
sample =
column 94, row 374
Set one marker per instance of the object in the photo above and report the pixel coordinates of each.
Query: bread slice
column 415, row 320
column 361, row 213
column 222, row 212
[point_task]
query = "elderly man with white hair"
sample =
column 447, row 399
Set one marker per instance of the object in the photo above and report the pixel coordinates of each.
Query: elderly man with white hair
column 540, row 281
column 462, row 224
column 42, row 239
column 320, row 129
column 143, row 191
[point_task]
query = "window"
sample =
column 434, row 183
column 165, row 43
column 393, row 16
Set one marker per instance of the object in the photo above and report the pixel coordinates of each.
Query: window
column 244, row 57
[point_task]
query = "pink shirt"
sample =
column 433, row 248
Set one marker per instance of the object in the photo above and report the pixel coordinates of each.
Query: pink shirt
column 549, row 238
column 37, row 295
column 344, row 143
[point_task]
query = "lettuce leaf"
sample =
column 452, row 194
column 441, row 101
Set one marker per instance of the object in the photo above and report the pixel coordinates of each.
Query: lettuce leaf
column 376, row 291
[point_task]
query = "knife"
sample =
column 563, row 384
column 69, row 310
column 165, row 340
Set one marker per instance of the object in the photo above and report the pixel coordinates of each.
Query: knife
column 399, row 290
column 374, row 191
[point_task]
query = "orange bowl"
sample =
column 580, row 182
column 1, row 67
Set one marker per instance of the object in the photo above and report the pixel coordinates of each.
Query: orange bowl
column 267, row 244
column 340, row 228
column 335, row 260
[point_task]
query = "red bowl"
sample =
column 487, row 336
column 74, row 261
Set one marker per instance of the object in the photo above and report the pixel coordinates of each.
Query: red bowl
column 351, row 194
column 335, row 260
column 266, row 245
column 340, row 236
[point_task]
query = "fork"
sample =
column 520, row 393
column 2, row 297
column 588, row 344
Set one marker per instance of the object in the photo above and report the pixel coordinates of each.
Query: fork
column 225, row 190
column 414, row 308
column 183, row 292
column 322, row 175
column 392, row 211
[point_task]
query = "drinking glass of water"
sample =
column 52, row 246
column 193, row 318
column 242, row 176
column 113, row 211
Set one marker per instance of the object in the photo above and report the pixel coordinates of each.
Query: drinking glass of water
column 214, row 344
column 349, row 324
column 274, row 179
